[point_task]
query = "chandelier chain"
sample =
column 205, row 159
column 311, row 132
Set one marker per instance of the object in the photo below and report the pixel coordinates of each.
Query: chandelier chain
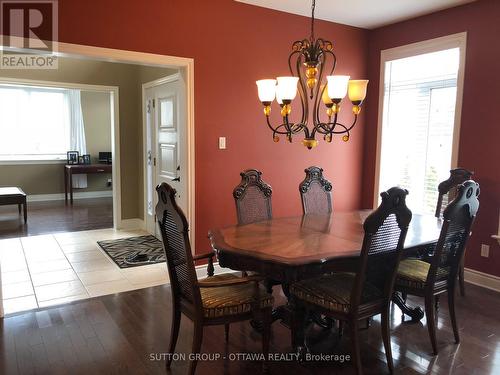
column 313, row 6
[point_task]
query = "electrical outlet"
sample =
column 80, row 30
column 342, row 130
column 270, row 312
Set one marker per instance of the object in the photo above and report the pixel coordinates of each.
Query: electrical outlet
column 222, row 143
column 485, row 250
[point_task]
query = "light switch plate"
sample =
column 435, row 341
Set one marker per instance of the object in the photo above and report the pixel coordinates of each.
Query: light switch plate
column 485, row 251
column 222, row 143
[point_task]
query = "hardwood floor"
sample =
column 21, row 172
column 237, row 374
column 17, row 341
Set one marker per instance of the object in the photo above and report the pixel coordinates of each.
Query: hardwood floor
column 127, row 333
column 56, row 216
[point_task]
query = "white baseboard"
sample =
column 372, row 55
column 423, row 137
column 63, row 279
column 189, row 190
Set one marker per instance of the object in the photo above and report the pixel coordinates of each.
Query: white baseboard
column 131, row 224
column 482, row 279
column 76, row 195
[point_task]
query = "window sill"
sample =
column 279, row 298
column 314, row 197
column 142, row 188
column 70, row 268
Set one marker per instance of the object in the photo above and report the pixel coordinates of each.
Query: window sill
column 31, row 162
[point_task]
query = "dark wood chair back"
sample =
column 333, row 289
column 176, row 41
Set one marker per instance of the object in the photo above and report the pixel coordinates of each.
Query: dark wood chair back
column 385, row 233
column 458, row 218
column 448, row 188
column 253, row 198
column 174, row 232
column 315, row 192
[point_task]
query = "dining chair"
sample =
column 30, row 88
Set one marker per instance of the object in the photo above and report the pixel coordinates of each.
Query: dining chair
column 438, row 273
column 215, row 300
column 253, row 198
column 447, row 191
column 253, row 203
column 367, row 291
column 315, row 192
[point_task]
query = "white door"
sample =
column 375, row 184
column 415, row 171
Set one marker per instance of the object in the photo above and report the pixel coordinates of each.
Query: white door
column 166, row 148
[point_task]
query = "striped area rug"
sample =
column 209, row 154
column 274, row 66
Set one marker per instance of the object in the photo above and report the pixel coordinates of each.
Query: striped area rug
column 123, row 249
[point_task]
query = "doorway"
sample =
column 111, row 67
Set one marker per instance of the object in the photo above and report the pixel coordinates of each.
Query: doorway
column 166, row 148
column 80, row 249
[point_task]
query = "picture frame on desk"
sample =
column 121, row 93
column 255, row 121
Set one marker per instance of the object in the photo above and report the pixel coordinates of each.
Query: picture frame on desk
column 72, row 157
column 86, row 159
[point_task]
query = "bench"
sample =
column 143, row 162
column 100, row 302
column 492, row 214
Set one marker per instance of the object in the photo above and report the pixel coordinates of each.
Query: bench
column 14, row 195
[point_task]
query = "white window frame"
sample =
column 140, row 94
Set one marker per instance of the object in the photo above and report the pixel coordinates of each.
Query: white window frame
column 43, row 159
column 458, row 40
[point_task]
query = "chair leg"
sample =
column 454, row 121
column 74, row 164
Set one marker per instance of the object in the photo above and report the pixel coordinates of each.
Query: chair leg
column 431, row 321
column 226, row 331
column 461, row 278
column 174, row 332
column 356, row 356
column 453, row 317
column 386, row 337
column 197, row 338
column 266, row 334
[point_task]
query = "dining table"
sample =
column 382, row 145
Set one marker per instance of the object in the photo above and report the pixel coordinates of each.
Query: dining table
column 290, row 249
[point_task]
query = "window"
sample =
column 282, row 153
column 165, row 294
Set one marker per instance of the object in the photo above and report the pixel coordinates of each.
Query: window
column 34, row 123
column 418, row 123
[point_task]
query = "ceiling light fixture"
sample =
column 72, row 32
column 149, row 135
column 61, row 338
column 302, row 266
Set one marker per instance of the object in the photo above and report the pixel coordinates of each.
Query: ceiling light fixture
column 307, row 65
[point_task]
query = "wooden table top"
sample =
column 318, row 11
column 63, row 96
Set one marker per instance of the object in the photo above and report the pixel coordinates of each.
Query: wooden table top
column 312, row 238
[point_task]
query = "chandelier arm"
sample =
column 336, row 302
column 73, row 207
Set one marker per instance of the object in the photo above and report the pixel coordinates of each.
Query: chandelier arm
column 318, row 98
column 302, row 90
column 287, row 125
column 334, row 64
column 322, row 129
column 275, row 130
column 296, row 128
column 346, row 129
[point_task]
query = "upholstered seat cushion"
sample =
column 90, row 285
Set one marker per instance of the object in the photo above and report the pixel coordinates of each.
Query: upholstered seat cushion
column 332, row 292
column 232, row 299
column 412, row 273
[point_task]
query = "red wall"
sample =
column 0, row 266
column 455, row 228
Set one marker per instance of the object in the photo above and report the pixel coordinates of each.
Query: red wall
column 479, row 148
column 233, row 45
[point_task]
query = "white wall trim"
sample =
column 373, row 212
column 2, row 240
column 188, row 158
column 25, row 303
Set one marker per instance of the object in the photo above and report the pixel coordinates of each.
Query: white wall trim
column 427, row 46
column 132, row 224
column 186, row 66
column 482, row 279
column 76, row 195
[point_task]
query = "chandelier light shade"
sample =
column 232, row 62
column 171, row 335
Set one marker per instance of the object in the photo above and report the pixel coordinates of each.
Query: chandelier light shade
column 267, row 90
column 337, row 86
column 309, row 60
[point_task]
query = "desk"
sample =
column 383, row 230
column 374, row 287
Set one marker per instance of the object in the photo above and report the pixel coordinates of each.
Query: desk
column 294, row 248
column 71, row 169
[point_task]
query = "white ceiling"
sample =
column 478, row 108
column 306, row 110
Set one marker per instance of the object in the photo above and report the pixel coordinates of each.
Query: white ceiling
column 368, row 14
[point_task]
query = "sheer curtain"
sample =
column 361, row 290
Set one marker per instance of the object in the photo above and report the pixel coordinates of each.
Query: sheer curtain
column 77, row 131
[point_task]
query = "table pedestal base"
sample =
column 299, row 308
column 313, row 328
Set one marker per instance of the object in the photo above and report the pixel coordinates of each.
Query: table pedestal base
column 415, row 313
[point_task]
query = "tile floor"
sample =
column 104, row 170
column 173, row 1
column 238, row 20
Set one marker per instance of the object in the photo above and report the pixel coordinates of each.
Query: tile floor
column 47, row 270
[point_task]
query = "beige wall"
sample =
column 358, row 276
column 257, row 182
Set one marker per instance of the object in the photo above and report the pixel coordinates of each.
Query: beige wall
column 96, row 108
column 128, row 78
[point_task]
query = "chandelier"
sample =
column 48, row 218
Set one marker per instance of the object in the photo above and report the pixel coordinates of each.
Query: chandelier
column 307, row 63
